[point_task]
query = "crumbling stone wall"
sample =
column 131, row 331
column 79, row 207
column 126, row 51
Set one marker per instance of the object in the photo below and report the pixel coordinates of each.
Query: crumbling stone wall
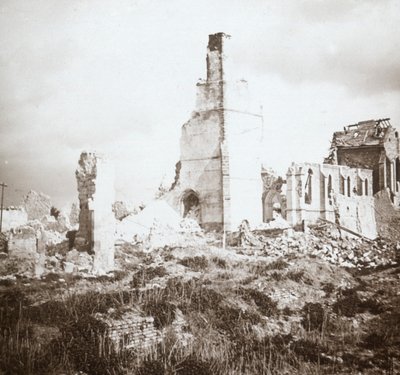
column 220, row 147
column 95, row 178
column 387, row 216
column 22, row 242
column 131, row 330
column 27, row 245
column 336, row 193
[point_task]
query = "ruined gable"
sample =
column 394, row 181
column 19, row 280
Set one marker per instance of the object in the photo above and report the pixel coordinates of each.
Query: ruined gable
column 372, row 144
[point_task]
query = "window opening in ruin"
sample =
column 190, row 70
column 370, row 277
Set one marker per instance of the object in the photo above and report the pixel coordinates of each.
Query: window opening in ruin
column 191, row 205
column 341, row 185
column 396, row 134
column 366, row 186
column 358, row 190
column 388, row 174
column 308, row 188
column 330, row 189
column 397, row 174
column 348, row 187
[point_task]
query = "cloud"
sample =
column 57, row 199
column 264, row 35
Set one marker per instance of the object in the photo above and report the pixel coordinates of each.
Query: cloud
column 120, row 77
column 349, row 43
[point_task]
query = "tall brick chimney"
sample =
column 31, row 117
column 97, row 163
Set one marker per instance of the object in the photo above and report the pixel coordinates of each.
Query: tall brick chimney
column 216, row 57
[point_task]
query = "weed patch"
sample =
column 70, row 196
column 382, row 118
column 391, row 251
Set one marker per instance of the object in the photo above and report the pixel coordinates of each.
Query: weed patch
column 197, row 264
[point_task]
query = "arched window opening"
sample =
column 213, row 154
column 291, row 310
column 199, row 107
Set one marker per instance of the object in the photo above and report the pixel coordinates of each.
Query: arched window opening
column 388, row 173
column 341, row 187
column 397, row 174
column 308, row 188
column 191, row 205
column 330, row 189
column 348, row 187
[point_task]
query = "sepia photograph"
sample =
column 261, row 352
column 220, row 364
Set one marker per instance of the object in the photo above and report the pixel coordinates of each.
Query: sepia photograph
column 199, row 187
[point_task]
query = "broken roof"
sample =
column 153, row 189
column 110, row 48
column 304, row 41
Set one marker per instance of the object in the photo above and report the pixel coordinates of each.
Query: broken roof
column 364, row 133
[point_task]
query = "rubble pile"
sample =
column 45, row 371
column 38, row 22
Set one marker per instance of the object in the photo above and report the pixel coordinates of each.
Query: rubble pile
column 37, row 205
column 331, row 246
column 157, row 225
column 278, row 222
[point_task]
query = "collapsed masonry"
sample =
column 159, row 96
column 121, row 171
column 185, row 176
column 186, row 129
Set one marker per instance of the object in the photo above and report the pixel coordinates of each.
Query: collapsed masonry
column 356, row 187
column 375, row 145
column 218, row 179
column 96, row 234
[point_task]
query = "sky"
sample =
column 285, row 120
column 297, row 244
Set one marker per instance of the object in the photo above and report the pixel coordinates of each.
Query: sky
column 119, row 77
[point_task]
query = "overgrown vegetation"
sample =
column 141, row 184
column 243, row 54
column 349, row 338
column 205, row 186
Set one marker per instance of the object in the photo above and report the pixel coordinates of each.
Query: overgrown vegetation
column 232, row 322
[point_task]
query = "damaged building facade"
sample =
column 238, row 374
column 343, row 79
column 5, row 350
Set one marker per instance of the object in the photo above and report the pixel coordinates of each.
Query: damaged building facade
column 218, row 179
column 374, row 145
column 358, row 184
column 338, row 194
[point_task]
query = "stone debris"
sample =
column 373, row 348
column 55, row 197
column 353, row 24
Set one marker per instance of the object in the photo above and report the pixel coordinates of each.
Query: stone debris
column 188, row 225
column 326, row 243
column 121, row 210
column 37, row 205
column 157, row 225
column 82, row 260
column 74, row 214
column 60, row 224
column 278, row 222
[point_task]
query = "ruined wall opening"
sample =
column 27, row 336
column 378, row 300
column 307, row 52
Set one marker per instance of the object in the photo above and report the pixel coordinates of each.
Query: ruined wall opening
column 330, row 189
column 366, row 186
column 348, row 187
column 397, row 166
column 191, row 205
column 388, row 174
column 272, row 202
column 341, row 185
column 308, row 187
column 359, row 189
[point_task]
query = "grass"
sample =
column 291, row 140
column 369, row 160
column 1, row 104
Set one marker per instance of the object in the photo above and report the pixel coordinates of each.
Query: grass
column 225, row 316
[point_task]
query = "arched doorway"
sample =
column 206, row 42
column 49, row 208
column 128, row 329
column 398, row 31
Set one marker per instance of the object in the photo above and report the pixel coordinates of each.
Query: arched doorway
column 191, row 205
column 272, row 202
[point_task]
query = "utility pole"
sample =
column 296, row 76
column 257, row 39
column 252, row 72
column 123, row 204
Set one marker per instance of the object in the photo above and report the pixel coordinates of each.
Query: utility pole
column 3, row 185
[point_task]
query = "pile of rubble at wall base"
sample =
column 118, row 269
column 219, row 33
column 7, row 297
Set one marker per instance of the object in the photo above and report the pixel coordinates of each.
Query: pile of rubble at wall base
column 328, row 244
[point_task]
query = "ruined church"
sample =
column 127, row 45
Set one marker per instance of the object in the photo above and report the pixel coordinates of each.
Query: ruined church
column 219, row 180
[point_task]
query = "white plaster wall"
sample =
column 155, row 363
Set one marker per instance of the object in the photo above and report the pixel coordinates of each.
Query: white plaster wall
column 358, row 214
column 14, row 218
column 243, row 134
column 104, row 220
